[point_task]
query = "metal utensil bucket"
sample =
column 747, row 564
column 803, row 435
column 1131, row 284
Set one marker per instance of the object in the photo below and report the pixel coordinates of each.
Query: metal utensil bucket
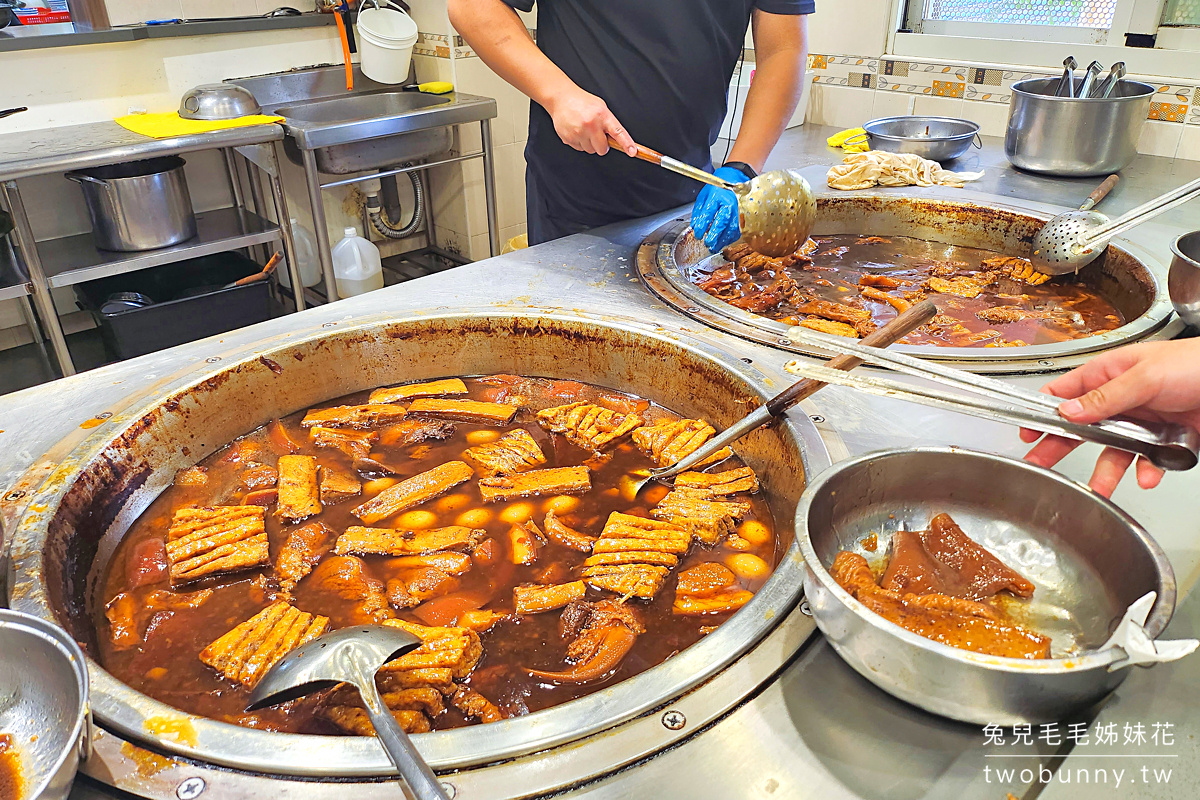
column 139, row 205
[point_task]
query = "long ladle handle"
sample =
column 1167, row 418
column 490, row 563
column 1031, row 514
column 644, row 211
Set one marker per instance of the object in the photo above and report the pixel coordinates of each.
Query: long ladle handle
column 897, row 329
column 412, row 768
column 675, row 165
column 1142, row 213
column 1100, row 192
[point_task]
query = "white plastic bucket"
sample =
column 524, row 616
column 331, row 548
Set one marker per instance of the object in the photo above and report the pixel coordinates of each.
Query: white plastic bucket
column 386, row 37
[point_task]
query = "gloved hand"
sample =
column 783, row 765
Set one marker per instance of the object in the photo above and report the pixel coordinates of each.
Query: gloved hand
column 715, row 214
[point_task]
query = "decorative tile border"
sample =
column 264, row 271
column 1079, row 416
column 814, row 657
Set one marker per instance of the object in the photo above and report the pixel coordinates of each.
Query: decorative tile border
column 986, row 83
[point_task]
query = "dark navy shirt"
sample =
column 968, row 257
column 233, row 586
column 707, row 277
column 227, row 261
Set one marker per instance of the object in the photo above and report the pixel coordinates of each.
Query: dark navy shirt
column 663, row 67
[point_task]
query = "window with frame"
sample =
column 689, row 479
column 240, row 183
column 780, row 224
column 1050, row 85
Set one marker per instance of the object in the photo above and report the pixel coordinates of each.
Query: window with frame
column 1161, row 24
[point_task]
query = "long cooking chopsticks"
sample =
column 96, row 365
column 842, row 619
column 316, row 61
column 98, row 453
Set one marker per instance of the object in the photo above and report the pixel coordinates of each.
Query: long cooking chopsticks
column 1167, row 445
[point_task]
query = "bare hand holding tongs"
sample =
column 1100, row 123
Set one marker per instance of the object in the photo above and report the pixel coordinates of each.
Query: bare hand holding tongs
column 1167, row 445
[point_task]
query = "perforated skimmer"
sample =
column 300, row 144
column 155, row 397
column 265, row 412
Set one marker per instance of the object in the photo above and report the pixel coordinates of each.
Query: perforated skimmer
column 1075, row 239
column 776, row 210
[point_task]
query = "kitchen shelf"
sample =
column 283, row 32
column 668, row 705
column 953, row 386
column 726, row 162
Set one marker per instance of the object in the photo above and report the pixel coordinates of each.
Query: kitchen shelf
column 12, row 282
column 75, row 259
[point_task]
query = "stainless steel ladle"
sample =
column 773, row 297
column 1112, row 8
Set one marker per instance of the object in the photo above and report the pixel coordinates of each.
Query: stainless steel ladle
column 776, row 209
column 1075, row 239
column 353, row 655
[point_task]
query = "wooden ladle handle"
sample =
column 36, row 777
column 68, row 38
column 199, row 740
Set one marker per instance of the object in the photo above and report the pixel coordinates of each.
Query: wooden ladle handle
column 643, row 153
column 897, row 329
column 1102, row 190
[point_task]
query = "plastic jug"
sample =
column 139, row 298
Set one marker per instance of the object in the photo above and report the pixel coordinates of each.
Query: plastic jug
column 306, row 257
column 356, row 265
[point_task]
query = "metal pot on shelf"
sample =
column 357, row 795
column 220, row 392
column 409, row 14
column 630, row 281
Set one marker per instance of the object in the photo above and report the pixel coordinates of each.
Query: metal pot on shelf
column 139, row 205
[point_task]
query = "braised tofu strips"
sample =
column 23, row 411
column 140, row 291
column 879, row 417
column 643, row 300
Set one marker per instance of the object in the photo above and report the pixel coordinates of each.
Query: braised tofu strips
column 588, row 425
column 398, row 394
column 365, row 416
column 414, row 491
column 559, row 480
column 216, row 540
column 513, row 452
column 299, row 489
column 389, row 542
column 668, row 441
column 249, row 650
column 499, row 519
column 465, row 410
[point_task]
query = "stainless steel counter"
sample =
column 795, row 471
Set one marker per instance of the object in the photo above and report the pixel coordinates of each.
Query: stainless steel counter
column 818, row 730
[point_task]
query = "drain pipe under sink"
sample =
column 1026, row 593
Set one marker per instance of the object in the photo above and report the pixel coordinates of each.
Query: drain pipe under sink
column 379, row 218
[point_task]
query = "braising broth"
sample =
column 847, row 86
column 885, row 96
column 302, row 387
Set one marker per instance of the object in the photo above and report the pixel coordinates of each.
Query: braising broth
column 440, row 560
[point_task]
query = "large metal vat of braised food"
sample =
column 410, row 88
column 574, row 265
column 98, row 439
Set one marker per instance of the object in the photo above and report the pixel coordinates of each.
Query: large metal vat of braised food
column 1128, row 276
column 76, row 518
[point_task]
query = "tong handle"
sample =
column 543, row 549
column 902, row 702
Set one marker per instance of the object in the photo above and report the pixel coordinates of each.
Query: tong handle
column 897, row 329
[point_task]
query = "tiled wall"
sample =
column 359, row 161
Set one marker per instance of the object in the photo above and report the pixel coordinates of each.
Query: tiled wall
column 460, row 215
column 849, row 90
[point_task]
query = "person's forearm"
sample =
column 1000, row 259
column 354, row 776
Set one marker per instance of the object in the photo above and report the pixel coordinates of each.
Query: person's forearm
column 781, row 50
column 498, row 35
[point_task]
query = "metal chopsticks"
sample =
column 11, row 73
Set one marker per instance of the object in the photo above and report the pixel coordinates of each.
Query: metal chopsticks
column 1167, row 445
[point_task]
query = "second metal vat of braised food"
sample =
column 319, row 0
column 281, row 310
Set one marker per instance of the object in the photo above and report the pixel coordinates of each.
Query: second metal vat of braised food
column 1089, row 560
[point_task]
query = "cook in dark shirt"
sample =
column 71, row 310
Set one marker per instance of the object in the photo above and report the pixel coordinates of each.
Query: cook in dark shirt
column 652, row 71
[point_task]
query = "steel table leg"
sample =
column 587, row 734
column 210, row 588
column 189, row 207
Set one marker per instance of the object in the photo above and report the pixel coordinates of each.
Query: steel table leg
column 41, row 288
column 285, row 226
column 235, row 183
column 31, row 320
column 430, row 233
column 324, row 252
column 256, row 198
column 489, row 186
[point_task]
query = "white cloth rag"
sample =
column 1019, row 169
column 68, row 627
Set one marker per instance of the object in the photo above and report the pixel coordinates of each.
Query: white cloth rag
column 1139, row 648
column 878, row 168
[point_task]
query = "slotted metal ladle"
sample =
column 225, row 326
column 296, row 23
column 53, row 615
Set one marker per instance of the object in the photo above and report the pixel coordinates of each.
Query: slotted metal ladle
column 353, row 655
column 1075, row 239
column 776, row 209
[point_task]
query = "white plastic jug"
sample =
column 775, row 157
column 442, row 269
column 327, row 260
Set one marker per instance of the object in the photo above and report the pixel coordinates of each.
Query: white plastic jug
column 386, row 36
column 356, row 265
column 306, row 257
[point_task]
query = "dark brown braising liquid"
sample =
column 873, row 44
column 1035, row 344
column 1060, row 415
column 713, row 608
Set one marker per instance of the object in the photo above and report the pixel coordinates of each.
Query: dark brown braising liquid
column 166, row 665
column 843, row 258
column 11, row 785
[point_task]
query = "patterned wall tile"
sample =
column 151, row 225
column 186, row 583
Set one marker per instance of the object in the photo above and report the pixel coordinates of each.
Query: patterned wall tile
column 837, row 70
column 948, row 89
column 1168, row 112
column 987, row 94
column 864, row 80
column 898, row 69
column 985, row 77
column 1174, row 93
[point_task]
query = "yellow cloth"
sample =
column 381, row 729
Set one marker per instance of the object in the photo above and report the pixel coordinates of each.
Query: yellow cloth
column 167, row 124
column 859, row 145
column 878, row 168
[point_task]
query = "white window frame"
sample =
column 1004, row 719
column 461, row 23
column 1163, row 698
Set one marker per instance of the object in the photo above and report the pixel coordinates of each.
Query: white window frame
column 1176, row 53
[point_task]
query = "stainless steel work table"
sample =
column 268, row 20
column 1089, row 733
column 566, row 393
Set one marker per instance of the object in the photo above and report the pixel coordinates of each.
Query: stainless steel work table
column 73, row 259
column 817, row 730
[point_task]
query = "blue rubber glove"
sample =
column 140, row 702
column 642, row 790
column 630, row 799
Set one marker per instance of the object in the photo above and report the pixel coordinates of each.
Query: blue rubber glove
column 715, row 214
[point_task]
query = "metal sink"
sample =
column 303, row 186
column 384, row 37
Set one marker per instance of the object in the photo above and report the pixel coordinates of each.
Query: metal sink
column 374, row 127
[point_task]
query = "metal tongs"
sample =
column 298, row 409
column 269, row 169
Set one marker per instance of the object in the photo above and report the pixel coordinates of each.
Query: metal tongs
column 1166, row 445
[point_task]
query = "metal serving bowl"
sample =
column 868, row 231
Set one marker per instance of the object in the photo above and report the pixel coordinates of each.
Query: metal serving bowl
column 1074, row 136
column 1183, row 281
column 935, row 138
column 218, row 101
column 43, row 703
column 1088, row 559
